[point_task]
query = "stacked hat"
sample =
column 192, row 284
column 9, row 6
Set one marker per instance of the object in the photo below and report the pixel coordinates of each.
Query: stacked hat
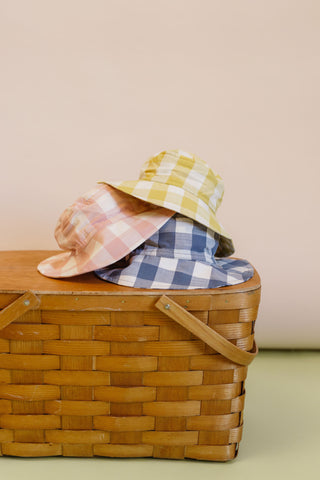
column 180, row 255
column 160, row 231
column 182, row 182
column 99, row 228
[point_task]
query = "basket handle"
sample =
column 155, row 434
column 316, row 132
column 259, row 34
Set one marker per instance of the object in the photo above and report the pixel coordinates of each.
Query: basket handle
column 205, row 333
column 17, row 308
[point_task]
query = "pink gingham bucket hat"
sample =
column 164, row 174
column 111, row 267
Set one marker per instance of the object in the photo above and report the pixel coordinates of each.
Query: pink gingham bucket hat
column 99, row 228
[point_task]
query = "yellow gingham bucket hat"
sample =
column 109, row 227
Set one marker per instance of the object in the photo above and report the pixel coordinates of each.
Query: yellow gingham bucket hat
column 184, row 183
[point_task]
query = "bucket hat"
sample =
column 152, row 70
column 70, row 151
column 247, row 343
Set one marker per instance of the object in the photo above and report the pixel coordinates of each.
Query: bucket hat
column 99, row 228
column 184, row 183
column 180, row 255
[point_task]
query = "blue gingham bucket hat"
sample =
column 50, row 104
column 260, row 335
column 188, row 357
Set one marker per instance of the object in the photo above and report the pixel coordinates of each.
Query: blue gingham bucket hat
column 180, row 255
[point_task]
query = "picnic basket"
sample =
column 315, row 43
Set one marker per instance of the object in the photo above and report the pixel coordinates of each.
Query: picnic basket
column 89, row 368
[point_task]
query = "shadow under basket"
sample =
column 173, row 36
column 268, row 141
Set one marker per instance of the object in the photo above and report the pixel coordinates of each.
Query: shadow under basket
column 89, row 368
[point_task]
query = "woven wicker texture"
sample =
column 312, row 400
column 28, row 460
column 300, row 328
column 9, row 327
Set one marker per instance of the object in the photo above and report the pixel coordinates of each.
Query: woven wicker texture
column 97, row 375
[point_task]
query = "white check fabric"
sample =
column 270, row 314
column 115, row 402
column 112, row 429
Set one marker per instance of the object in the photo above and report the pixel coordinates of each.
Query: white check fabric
column 180, row 255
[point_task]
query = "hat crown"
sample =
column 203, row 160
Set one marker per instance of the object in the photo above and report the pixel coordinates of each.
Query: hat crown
column 99, row 207
column 182, row 238
column 76, row 225
column 186, row 171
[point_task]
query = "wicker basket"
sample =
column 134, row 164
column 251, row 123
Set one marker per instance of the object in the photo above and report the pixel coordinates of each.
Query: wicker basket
column 94, row 369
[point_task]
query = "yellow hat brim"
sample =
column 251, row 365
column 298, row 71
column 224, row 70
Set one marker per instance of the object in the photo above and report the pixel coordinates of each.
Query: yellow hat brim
column 176, row 199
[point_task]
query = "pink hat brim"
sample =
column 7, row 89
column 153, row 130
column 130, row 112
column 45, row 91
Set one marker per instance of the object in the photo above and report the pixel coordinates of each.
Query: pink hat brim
column 111, row 243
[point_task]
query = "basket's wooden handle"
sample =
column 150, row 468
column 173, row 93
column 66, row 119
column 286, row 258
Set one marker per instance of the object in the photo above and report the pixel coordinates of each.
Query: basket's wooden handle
column 205, row 333
column 20, row 306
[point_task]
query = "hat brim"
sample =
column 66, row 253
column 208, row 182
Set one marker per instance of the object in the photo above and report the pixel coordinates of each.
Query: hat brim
column 147, row 271
column 181, row 201
column 109, row 245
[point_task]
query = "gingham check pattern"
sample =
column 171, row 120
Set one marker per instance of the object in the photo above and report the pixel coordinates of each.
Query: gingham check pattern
column 184, row 183
column 101, row 227
column 178, row 256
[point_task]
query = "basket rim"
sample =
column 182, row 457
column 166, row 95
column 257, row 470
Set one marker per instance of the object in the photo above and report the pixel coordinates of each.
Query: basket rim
column 19, row 273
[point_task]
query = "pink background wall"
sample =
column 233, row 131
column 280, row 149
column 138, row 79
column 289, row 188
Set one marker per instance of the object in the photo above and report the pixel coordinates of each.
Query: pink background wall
column 90, row 89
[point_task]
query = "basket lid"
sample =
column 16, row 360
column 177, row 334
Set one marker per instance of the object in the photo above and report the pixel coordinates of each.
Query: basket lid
column 18, row 273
